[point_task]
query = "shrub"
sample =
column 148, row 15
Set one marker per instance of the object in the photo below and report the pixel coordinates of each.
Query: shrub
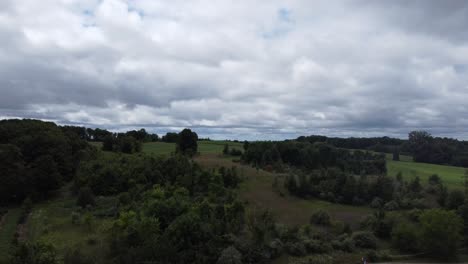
column 365, row 239
column 391, row 206
column 85, row 197
column 455, row 199
column 376, row 202
column 75, row 218
column 230, row 255
column 320, row 217
column 37, row 253
column 296, row 249
column 405, row 237
column 317, row 246
column 440, row 232
column 76, row 256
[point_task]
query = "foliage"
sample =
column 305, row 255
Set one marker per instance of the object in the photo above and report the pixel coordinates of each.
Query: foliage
column 37, row 253
column 455, row 199
column 320, row 217
column 187, row 142
column 364, row 239
column 85, row 197
column 406, row 237
column 440, row 232
column 36, row 158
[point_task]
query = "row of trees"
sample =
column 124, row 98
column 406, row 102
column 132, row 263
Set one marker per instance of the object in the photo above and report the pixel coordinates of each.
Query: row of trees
column 420, row 144
column 311, row 156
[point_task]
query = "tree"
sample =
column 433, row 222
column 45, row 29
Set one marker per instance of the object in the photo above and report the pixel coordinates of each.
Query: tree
column 406, row 237
column 455, row 199
column 37, row 253
column 226, row 149
column 12, row 182
column 187, row 143
column 230, row 255
column 85, row 197
column 396, row 154
column 440, row 232
column 108, row 143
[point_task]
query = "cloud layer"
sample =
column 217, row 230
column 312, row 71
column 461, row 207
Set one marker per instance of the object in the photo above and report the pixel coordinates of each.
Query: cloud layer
column 238, row 69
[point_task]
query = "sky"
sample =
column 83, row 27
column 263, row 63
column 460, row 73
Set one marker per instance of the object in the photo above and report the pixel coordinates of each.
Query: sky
column 238, row 69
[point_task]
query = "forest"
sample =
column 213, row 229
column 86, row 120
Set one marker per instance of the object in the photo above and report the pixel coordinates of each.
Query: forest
column 80, row 195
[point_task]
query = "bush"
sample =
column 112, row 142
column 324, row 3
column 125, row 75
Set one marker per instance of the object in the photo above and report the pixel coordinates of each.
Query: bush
column 230, row 255
column 346, row 245
column 441, row 232
column 37, row 253
column 317, row 246
column 365, row 239
column 391, row 206
column 296, row 249
column 406, row 238
column 75, row 218
column 455, row 199
column 75, row 256
column 376, row 202
column 320, row 217
column 85, row 197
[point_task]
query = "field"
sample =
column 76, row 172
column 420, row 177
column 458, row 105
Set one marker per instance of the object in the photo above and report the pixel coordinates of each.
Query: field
column 451, row 176
column 257, row 190
column 52, row 221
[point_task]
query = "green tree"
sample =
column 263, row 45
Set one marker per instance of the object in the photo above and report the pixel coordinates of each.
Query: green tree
column 455, row 199
column 187, row 143
column 36, row 253
column 406, row 237
column 226, row 149
column 440, row 231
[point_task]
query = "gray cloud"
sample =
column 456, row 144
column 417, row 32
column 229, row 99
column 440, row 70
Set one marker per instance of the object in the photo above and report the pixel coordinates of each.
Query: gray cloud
column 228, row 69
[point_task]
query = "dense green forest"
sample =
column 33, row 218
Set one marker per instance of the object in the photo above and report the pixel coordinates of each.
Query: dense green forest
column 420, row 144
column 188, row 207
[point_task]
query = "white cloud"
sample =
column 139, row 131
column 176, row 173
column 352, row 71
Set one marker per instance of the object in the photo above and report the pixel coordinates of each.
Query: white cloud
column 269, row 69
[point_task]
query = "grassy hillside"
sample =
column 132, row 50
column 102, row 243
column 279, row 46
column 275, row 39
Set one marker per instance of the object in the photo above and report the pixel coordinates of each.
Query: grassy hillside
column 451, row 176
column 52, row 221
column 257, row 190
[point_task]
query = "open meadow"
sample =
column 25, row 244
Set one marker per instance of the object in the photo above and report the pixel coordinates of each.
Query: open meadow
column 451, row 176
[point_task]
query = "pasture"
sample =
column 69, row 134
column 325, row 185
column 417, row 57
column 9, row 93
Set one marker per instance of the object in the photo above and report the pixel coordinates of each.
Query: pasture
column 51, row 221
column 451, row 176
column 257, row 190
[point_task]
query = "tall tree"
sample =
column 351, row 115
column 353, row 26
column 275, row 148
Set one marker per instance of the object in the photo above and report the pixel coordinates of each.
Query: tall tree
column 187, row 143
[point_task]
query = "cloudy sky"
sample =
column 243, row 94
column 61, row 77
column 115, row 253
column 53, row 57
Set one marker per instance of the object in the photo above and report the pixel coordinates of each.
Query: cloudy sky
column 238, row 69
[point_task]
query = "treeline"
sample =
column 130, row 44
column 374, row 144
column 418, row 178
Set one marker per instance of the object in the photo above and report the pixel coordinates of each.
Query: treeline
column 36, row 158
column 377, row 144
column 420, row 144
column 426, row 148
column 311, row 156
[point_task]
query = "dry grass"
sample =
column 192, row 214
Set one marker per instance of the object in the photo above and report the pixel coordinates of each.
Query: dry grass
column 257, row 190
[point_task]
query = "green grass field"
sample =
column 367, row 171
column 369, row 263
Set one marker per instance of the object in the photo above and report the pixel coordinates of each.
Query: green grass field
column 7, row 231
column 451, row 176
column 51, row 221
